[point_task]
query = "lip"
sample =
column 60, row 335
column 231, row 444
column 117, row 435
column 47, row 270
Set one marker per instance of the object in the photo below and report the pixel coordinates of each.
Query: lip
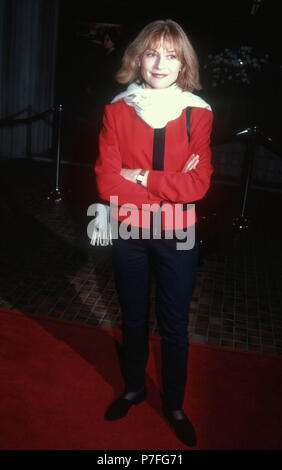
column 159, row 75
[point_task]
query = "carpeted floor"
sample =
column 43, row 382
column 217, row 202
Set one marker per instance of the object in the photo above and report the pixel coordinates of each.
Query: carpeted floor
column 58, row 378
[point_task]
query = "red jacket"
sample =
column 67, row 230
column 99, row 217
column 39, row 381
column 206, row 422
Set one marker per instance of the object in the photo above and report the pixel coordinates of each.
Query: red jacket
column 126, row 141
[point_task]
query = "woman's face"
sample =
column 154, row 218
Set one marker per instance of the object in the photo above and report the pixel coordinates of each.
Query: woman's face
column 160, row 66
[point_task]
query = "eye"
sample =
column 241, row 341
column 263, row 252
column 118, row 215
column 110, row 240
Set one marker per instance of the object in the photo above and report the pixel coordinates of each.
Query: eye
column 150, row 54
column 172, row 56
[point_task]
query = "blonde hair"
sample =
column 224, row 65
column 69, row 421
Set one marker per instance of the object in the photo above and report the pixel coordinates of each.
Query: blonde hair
column 168, row 30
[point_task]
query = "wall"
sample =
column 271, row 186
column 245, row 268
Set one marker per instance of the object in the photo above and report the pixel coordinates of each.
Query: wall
column 28, row 38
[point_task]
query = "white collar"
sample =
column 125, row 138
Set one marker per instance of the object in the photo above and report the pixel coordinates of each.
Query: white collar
column 159, row 106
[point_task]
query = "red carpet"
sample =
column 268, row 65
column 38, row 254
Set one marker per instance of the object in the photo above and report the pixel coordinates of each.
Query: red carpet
column 58, row 378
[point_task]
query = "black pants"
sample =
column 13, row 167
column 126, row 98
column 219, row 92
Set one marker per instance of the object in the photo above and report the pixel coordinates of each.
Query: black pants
column 175, row 279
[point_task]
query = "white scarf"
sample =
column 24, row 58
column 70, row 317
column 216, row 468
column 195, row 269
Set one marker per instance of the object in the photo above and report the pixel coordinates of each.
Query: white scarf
column 159, row 106
column 156, row 107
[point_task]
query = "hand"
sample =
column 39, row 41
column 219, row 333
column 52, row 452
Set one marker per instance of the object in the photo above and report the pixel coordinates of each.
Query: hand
column 129, row 174
column 191, row 163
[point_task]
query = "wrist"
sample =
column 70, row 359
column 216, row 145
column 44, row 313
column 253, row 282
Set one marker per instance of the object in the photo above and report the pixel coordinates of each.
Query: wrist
column 142, row 177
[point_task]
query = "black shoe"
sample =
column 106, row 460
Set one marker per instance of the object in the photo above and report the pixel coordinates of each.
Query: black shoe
column 120, row 407
column 181, row 425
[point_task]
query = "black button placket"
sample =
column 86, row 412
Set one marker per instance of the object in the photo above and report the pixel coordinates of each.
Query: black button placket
column 158, row 156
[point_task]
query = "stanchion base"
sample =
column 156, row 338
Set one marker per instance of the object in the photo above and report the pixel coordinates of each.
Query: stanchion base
column 241, row 224
column 55, row 196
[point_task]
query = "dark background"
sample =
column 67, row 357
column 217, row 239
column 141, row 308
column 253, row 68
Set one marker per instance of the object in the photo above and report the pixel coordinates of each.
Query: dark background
column 211, row 26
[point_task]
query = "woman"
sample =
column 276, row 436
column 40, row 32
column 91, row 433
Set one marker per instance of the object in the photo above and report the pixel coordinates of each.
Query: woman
column 155, row 152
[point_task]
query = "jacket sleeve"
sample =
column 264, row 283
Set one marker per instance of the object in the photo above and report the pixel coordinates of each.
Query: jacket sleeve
column 192, row 186
column 108, row 167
